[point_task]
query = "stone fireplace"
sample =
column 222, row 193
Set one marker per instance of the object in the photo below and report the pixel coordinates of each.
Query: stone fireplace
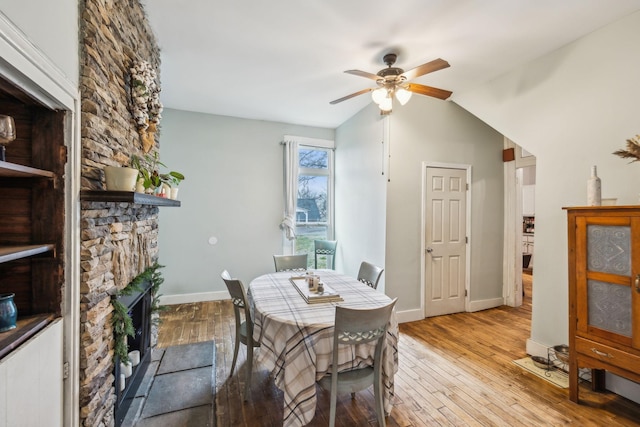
column 118, row 239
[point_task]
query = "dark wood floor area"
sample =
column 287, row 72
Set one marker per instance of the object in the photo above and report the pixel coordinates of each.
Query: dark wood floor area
column 455, row 370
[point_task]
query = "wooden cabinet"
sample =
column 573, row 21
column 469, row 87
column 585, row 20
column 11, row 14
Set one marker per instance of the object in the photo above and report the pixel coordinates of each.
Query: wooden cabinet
column 32, row 216
column 604, row 293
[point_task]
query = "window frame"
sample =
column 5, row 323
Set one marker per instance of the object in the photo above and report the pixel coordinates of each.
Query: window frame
column 289, row 246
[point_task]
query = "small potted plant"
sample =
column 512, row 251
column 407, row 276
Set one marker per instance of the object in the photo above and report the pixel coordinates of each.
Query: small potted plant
column 172, row 180
column 150, row 180
column 148, row 176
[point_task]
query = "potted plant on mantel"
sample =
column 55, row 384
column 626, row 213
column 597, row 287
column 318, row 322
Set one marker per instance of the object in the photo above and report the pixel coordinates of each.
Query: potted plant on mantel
column 150, row 180
column 172, row 180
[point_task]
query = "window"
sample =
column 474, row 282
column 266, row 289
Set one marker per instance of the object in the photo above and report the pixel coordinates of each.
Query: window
column 314, row 205
column 310, row 187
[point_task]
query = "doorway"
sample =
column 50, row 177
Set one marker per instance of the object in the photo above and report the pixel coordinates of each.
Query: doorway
column 526, row 175
column 445, row 242
column 519, row 226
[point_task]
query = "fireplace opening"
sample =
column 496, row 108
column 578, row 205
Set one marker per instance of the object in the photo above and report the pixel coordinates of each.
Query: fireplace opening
column 127, row 382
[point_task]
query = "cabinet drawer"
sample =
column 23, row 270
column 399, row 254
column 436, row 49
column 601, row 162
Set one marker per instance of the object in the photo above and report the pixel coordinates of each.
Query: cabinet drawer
column 607, row 354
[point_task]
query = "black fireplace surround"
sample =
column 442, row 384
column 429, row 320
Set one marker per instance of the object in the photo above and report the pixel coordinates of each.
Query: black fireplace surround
column 139, row 308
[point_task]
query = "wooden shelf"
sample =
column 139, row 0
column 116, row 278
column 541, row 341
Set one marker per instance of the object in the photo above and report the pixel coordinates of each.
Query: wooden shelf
column 11, row 253
column 126, row 197
column 26, row 327
column 12, row 170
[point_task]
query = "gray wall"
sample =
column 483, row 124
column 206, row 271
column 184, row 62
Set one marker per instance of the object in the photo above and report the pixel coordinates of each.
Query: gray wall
column 423, row 130
column 360, row 192
column 233, row 191
column 571, row 109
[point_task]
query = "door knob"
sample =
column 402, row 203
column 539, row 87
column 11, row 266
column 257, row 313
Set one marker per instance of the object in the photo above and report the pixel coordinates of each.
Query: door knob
column 429, row 250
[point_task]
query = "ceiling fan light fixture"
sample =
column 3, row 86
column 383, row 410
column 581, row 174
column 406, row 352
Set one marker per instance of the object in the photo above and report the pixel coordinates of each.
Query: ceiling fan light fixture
column 386, row 104
column 379, row 95
column 402, row 95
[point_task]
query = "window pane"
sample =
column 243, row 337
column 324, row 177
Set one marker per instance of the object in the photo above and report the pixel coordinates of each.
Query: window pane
column 311, row 213
column 312, row 199
column 305, row 235
column 313, row 158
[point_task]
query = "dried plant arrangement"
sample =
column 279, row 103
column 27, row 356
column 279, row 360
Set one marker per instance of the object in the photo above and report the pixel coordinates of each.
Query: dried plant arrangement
column 633, row 150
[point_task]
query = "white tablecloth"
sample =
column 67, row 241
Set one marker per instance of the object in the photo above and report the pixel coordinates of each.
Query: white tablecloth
column 297, row 338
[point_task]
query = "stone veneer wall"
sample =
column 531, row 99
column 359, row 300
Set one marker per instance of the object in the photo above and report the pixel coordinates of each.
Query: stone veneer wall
column 118, row 240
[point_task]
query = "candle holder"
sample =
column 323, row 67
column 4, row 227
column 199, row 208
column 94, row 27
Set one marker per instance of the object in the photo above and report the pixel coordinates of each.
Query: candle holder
column 7, row 133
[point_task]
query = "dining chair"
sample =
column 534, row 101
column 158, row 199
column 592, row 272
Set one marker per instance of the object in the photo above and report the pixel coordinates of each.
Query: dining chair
column 290, row 262
column 354, row 327
column 370, row 274
column 244, row 329
column 326, row 248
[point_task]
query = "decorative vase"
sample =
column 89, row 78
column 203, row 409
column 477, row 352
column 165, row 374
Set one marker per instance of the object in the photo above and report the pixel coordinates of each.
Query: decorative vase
column 173, row 195
column 8, row 312
column 120, row 178
column 594, row 197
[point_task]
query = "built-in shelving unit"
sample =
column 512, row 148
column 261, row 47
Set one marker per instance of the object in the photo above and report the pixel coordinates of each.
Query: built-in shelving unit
column 126, row 197
column 11, row 170
column 12, row 253
column 32, row 217
column 26, row 327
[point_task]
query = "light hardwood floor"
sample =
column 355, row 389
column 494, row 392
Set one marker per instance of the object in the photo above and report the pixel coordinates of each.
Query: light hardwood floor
column 455, row 370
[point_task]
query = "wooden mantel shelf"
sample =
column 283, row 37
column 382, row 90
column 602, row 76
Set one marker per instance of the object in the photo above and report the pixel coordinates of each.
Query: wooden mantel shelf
column 126, row 197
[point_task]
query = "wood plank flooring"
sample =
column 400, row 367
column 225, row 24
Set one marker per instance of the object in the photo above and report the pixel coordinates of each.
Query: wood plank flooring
column 455, row 370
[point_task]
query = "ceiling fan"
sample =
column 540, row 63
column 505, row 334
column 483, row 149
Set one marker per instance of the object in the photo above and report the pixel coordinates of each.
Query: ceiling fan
column 393, row 81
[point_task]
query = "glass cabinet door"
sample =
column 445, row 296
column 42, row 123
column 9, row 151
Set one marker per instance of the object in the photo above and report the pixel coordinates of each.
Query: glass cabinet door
column 609, row 298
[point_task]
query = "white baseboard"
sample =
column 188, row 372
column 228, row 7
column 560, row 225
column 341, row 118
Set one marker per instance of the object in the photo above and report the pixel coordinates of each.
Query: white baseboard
column 409, row 315
column 485, row 304
column 534, row 348
column 197, row 297
column 417, row 314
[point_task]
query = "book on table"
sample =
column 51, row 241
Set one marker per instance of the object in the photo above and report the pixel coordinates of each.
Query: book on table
column 312, row 296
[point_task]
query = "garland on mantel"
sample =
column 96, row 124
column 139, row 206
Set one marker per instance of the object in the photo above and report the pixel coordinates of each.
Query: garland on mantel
column 121, row 320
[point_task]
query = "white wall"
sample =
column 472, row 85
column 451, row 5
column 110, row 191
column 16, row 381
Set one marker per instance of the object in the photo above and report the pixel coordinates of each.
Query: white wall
column 361, row 192
column 423, row 130
column 571, row 109
column 52, row 26
column 233, row 191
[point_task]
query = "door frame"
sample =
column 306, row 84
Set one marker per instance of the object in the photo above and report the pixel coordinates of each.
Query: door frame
column 512, row 244
column 423, row 229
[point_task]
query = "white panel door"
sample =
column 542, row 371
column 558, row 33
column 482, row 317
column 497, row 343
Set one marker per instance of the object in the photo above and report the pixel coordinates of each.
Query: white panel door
column 445, row 241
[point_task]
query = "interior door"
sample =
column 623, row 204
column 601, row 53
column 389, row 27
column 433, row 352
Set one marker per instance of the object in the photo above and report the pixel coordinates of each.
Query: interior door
column 445, row 241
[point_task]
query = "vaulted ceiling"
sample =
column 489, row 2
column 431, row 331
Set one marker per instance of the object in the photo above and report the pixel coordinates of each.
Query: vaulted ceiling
column 284, row 60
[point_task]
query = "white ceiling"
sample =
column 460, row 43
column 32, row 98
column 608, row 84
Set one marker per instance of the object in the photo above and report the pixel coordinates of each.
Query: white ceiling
column 284, row 60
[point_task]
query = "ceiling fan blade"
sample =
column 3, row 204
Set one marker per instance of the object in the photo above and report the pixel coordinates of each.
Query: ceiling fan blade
column 429, row 67
column 344, row 98
column 428, row 90
column 363, row 74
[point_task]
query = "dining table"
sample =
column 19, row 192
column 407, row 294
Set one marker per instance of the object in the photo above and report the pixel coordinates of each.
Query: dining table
column 296, row 337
